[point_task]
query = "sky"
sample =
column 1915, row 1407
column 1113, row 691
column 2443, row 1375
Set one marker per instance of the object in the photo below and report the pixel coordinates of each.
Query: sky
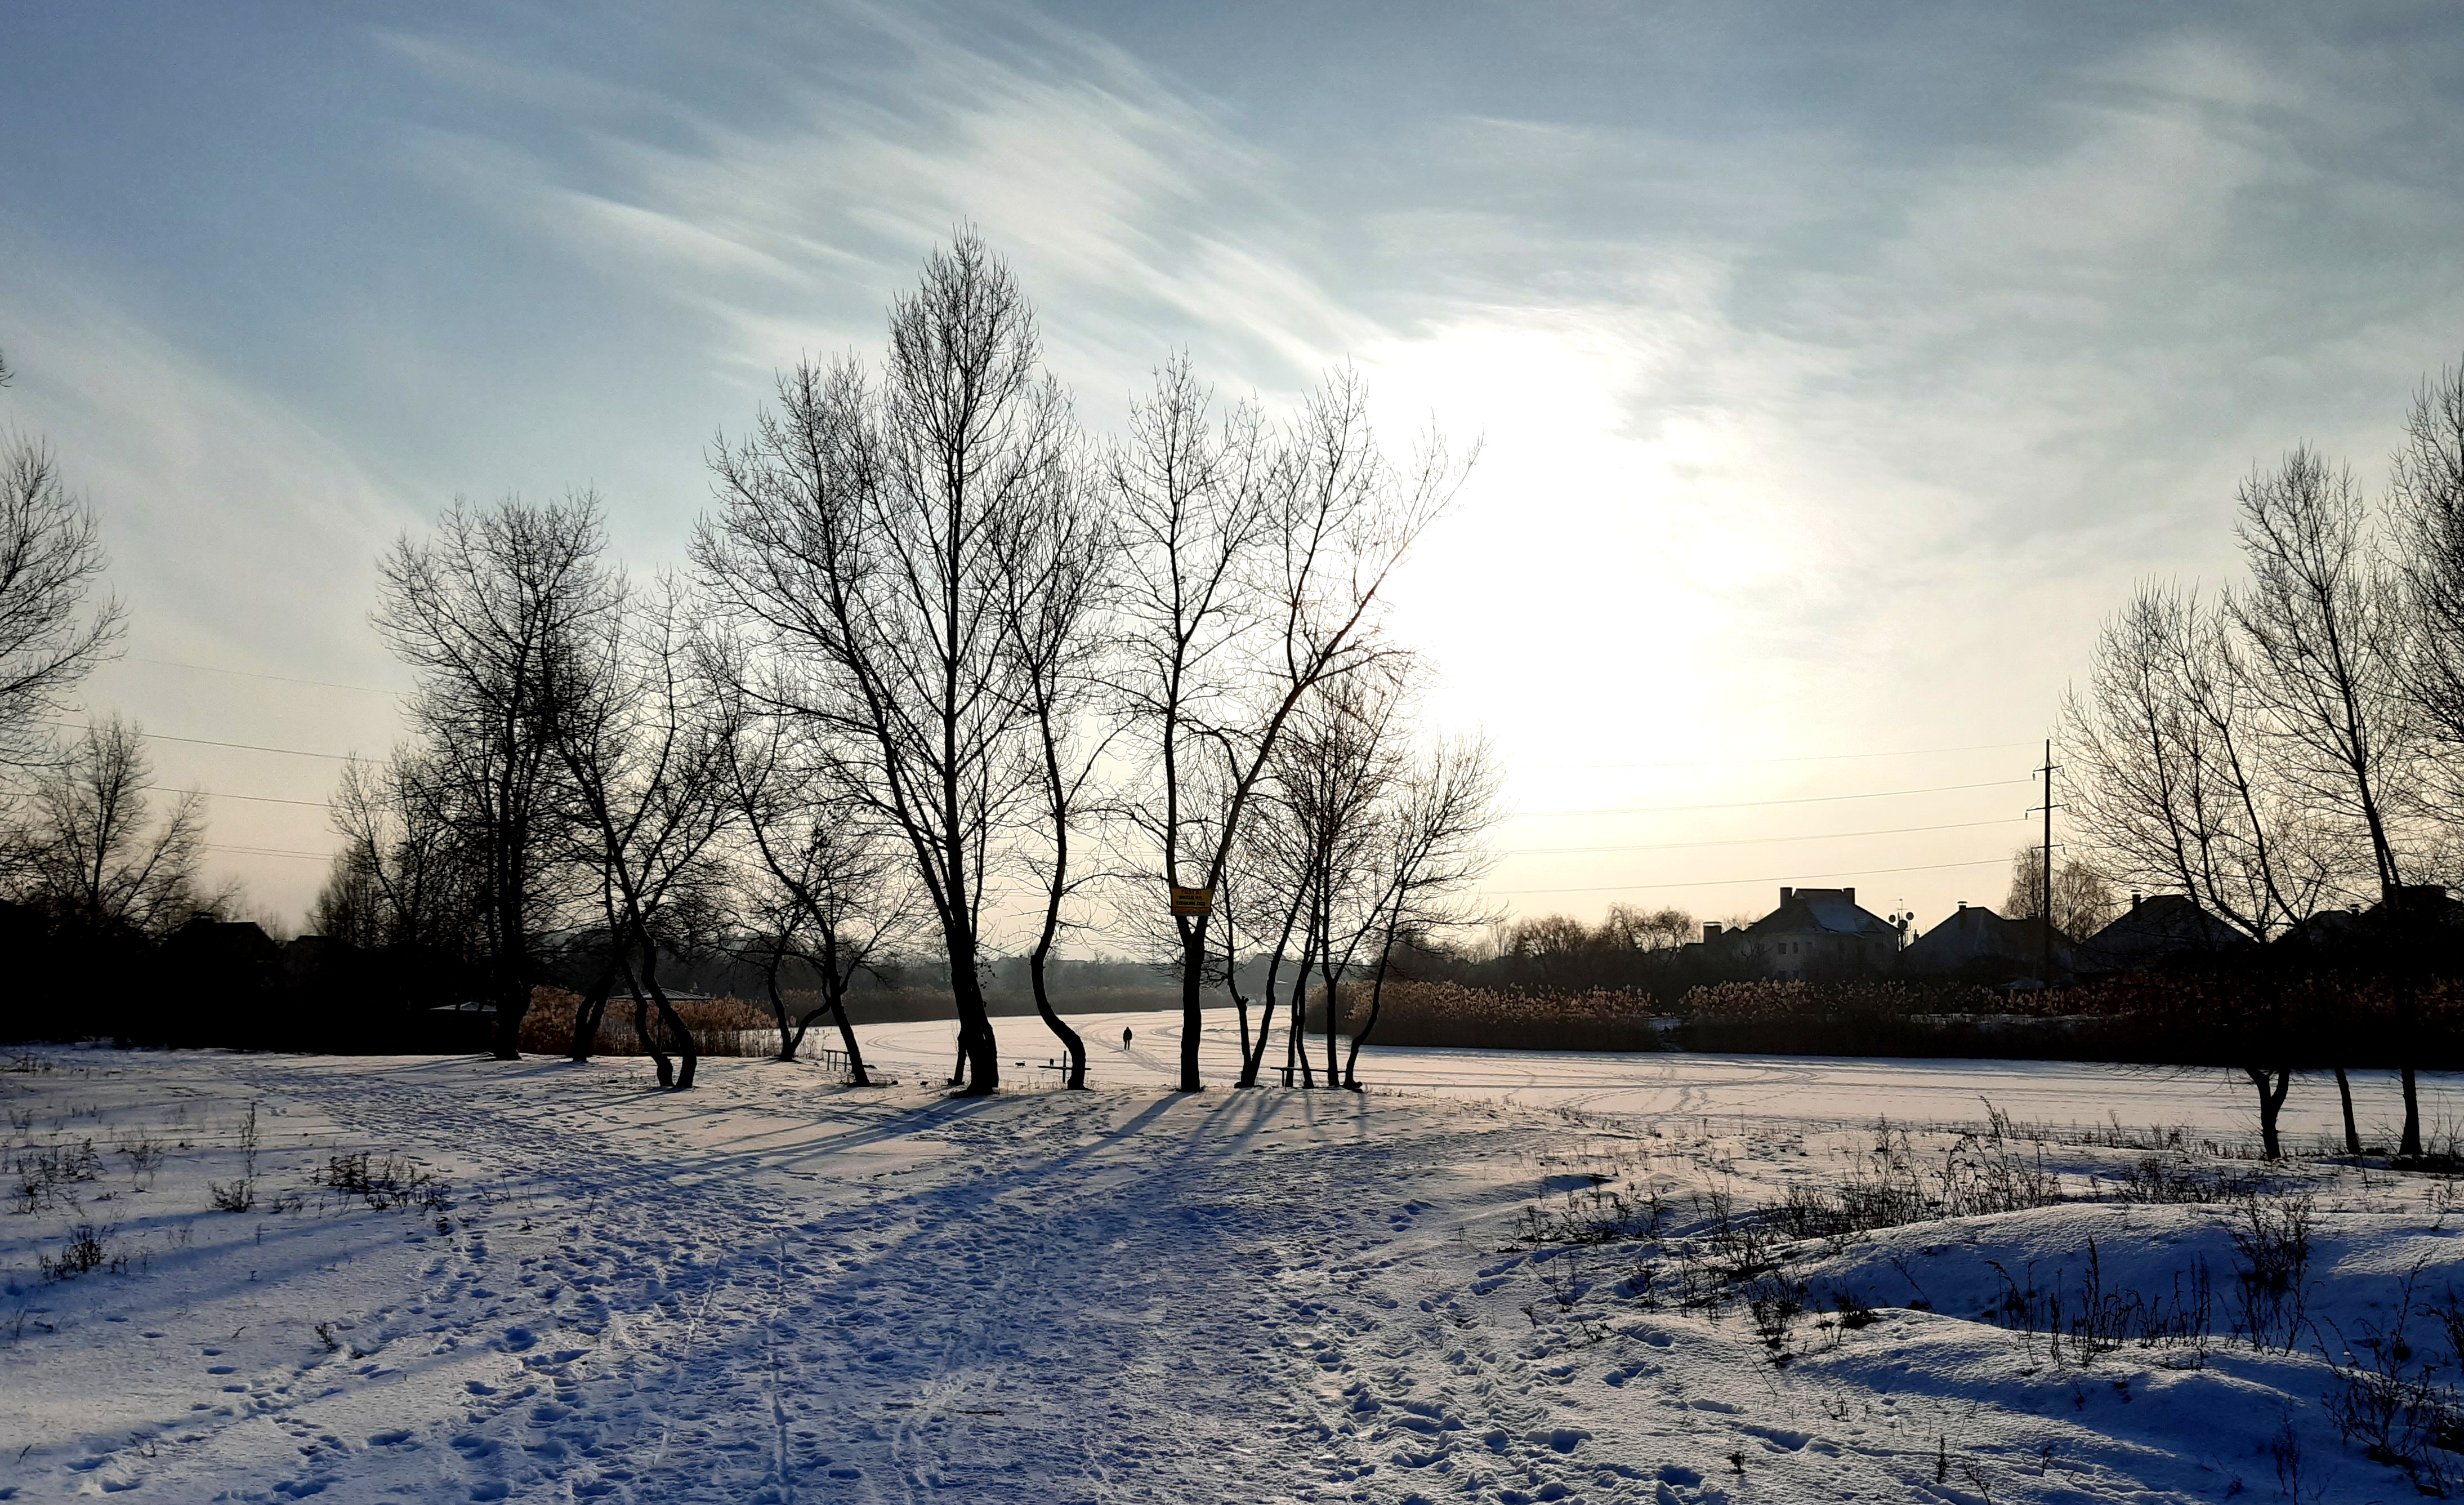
column 1836, row 369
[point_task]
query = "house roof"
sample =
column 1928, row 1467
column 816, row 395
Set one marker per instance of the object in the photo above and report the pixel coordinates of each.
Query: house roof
column 2159, row 925
column 1832, row 912
column 1974, row 931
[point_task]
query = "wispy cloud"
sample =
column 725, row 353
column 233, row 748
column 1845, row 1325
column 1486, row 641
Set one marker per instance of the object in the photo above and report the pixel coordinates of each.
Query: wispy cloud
column 1119, row 199
column 1833, row 378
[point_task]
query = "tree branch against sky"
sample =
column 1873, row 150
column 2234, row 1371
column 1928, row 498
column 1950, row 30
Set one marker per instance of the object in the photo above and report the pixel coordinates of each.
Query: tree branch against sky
column 482, row 611
column 1256, row 563
column 859, row 535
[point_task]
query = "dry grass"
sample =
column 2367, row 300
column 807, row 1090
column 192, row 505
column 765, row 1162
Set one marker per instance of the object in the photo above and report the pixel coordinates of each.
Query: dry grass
column 718, row 1024
column 1452, row 1014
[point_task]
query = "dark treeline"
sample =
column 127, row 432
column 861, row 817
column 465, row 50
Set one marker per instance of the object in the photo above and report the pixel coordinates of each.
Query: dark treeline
column 99, row 873
column 1644, row 954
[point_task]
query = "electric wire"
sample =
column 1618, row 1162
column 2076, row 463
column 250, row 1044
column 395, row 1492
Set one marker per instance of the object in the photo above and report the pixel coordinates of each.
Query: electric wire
column 253, row 799
column 1785, row 877
column 271, row 852
column 1721, row 763
column 250, row 674
column 1740, row 804
column 202, row 741
column 1756, row 841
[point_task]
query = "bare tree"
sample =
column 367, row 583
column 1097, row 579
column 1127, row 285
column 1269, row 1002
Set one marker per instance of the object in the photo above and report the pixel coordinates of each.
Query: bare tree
column 1056, row 581
column 2169, row 783
column 2325, row 623
column 404, row 876
column 1261, row 901
column 822, row 875
column 647, row 747
column 1332, row 777
column 350, row 906
column 1255, row 564
column 2426, row 510
column 1555, row 952
column 1648, row 932
column 2316, row 616
column 859, row 535
column 95, row 856
column 1435, row 850
column 50, row 636
column 479, row 610
column 2084, row 900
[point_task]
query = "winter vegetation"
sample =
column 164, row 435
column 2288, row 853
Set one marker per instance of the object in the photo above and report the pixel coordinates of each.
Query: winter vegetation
column 963, row 736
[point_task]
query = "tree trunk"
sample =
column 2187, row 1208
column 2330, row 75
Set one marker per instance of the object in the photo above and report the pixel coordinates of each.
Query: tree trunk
column 512, row 1004
column 643, row 1032
column 1256, row 1061
column 2345, row 1092
column 1377, row 998
column 1333, row 1025
column 2272, row 1087
column 1069, row 1038
column 2411, row 1147
column 1193, row 966
column 1240, row 1001
column 790, row 1038
column 1252, row 1063
column 1036, row 958
column 594, row 1007
column 834, row 999
column 513, row 983
column 1296, row 1038
column 685, row 1047
column 976, row 1042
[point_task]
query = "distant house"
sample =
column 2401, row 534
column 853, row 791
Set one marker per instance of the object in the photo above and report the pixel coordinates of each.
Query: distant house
column 2418, row 912
column 2156, row 929
column 1977, row 943
column 2423, row 904
column 230, row 952
column 1814, row 933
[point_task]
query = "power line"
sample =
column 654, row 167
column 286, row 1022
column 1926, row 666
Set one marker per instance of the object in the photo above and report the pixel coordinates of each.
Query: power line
column 1740, row 804
column 271, row 852
column 200, row 741
column 253, row 799
column 1755, row 841
column 250, row 673
column 1717, row 762
column 1791, row 877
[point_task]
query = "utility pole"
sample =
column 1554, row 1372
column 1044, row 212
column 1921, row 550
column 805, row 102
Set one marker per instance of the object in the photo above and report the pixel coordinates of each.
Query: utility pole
column 2045, row 875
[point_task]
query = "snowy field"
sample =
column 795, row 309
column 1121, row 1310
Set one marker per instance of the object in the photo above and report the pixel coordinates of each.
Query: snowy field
column 1794, row 1088
column 1492, row 1278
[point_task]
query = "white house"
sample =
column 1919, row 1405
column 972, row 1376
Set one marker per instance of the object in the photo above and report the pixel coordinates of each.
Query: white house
column 1814, row 933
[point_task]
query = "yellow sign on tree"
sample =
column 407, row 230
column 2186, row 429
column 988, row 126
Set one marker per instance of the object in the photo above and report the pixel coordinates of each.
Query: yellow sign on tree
column 1192, row 901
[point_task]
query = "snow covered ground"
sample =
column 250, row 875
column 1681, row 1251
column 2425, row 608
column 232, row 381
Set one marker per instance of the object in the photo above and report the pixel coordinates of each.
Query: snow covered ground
column 552, row 1282
column 1795, row 1088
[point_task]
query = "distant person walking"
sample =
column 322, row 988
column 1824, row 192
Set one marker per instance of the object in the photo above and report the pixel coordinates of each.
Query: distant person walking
column 1125, row 1037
